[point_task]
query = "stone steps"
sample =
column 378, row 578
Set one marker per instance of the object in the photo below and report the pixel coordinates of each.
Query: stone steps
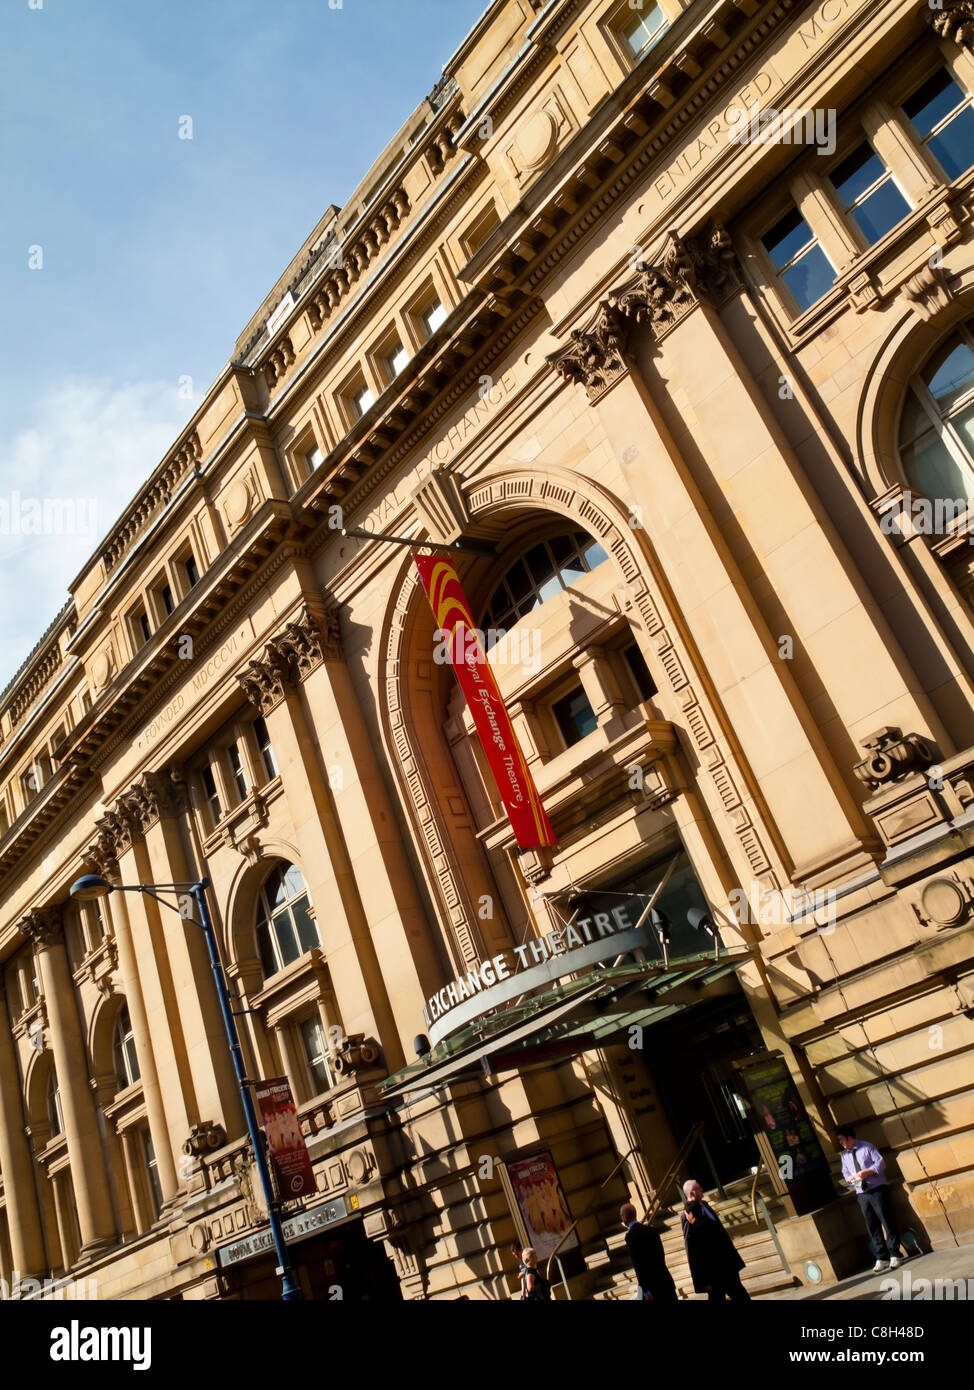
column 611, row 1272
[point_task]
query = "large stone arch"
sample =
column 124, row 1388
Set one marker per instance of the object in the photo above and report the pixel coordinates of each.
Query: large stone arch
column 492, row 499
column 101, row 1033
column 241, row 906
column 36, row 1078
column 908, row 344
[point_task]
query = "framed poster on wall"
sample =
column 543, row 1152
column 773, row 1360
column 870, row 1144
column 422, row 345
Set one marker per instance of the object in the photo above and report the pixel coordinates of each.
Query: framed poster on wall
column 542, row 1204
column 784, row 1132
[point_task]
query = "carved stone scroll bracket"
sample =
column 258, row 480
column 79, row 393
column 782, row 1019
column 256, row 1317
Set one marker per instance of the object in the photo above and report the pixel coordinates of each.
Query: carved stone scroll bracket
column 891, row 757
column 929, row 291
column 954, row 22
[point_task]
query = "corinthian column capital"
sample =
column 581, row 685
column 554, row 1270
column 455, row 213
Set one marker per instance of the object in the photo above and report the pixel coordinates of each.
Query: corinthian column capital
column 43, row 926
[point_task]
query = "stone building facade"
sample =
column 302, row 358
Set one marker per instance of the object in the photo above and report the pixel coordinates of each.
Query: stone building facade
column 666, row 315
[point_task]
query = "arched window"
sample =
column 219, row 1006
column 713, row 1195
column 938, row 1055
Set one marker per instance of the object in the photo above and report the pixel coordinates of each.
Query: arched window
column 540, row 573
column 126, row 1060
column 937, row 427
column 285, row 929
column 54, row 1113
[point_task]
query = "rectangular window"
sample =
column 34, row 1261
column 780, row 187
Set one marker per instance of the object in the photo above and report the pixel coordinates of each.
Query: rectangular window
column 798, row 259
column 238, row 770
column 574, row 717
column 362, row 400
column 480, row 229
column 30, row 784
column 191, row 571
column 316, row 1052
column 396, row 360
column 313, row 459
column 431, row 317
column 141, row 631
column 639, row 29
column 168, row 603
column 868, row 193
column 152, row 1173
column 639, row 671
column 212, row 795
column 941, row 113
column 265, row 748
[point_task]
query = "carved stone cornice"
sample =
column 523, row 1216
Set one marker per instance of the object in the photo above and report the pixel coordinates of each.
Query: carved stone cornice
column 702, row 267
column 307, row 640
column 892, row 756
column 954, row 22
column 43, row 926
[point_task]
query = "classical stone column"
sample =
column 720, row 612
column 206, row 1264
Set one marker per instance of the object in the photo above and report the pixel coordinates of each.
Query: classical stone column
column 148, row 1074
column 332, row 826
column 163, row 1023
column 162, row 803
column 88, row 1171
column 65, row 1222
column 750, row 558
column 133, row 1172
column 23, row 1217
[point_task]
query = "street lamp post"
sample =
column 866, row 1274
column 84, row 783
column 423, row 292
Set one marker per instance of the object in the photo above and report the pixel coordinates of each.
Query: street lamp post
column 94, row 886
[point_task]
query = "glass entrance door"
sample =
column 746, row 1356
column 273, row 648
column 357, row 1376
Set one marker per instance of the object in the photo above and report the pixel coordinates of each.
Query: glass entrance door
column 691, row 1058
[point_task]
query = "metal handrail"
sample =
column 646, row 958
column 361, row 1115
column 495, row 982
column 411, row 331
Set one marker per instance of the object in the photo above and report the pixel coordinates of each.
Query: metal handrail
column 626, row 1156
column 681, row 1154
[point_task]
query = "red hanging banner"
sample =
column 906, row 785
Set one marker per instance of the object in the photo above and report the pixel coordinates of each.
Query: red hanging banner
column 285, row 1142
column 485, row 702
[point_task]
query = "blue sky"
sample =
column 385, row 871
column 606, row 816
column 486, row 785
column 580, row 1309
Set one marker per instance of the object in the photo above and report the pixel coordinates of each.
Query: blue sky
column 154, row 251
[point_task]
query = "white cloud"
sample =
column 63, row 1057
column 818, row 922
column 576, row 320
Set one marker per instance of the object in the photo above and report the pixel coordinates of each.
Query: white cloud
column 63, row 482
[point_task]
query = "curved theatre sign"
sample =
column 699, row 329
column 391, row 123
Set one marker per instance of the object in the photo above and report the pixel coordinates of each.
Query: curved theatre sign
column 538, row 962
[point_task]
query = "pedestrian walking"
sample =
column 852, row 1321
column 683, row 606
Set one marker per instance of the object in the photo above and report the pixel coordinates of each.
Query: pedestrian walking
column 645, row 1248
column 864, row 1169
column 534, row 1286
column 715, row 1265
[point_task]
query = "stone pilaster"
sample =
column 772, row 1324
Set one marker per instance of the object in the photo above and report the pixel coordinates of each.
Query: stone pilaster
column 23, row 1217
column 106, row 865
column 88, row 1171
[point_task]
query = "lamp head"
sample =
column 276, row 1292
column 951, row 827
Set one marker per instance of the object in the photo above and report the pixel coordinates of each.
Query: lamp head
column 663, row 925
column 702, row 920
column 89, row 887
column 421, row 1045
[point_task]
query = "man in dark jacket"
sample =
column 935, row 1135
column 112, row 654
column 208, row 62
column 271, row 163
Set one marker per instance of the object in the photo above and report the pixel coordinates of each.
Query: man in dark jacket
column 715, row 1265
column 646, row 1252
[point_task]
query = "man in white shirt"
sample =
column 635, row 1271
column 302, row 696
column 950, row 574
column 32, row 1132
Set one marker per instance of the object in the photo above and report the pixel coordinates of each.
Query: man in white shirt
column 864, row 1169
